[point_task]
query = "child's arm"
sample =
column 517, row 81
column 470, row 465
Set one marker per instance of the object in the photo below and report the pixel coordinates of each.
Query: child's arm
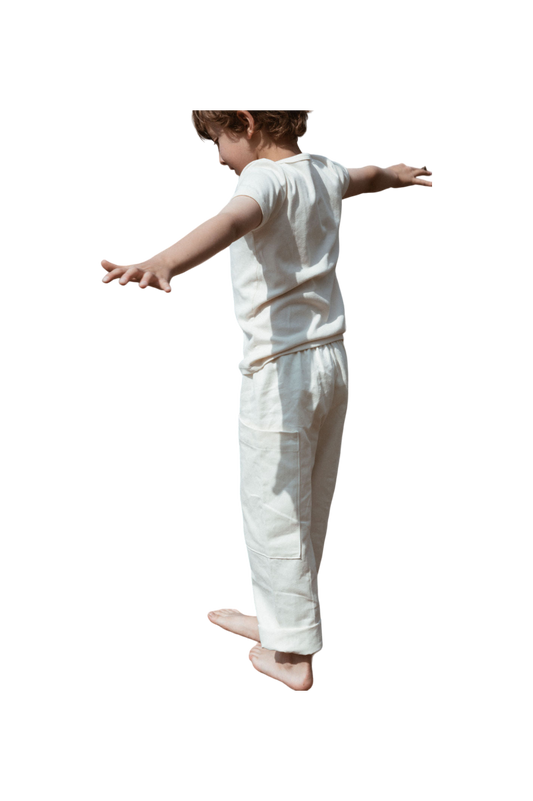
column 400, row 175
column 194, row 248
column 361, row 178
column 201, row 244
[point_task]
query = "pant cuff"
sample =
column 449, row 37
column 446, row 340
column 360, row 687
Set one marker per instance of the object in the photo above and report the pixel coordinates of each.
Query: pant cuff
column 292, row 641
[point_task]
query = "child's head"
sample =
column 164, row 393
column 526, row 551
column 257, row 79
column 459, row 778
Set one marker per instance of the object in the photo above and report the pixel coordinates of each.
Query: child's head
column 242, row 136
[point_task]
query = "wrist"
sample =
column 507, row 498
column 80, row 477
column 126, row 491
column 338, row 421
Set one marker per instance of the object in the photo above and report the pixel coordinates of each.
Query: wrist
column 382, row 179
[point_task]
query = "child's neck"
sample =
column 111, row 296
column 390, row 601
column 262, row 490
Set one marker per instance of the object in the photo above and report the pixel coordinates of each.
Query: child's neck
column 277, row 152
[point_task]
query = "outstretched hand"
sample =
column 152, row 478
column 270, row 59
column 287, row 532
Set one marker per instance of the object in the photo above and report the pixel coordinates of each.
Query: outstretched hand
column 147, row 274
column 402, row 175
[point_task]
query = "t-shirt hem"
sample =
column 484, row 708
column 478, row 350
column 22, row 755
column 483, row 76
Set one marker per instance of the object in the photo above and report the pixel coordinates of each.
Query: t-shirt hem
column 254, row 368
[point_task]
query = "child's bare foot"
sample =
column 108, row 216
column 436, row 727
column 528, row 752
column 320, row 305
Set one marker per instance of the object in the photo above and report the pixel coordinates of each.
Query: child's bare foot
column 235, row 621
column 294, row 670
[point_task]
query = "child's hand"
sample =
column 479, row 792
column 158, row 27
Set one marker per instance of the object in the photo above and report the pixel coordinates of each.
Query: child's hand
column 402, row 175
column 147, row 274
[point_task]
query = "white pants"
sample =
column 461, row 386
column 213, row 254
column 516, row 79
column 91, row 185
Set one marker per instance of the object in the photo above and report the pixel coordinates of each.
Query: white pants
column 290, row 430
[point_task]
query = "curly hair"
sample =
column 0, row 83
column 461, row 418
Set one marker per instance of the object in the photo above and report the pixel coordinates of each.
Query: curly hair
column 279, row 125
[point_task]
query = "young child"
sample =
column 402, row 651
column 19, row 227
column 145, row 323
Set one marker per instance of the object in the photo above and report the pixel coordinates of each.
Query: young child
column 282, row 226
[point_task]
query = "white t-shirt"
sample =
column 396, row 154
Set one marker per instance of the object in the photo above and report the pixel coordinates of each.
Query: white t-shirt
column 285, row 288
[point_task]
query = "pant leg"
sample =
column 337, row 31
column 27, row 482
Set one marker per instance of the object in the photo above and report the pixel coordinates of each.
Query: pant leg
column 284, row 408
column 327, row 455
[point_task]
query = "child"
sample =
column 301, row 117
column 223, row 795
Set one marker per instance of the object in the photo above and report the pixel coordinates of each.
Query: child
column 282, row 226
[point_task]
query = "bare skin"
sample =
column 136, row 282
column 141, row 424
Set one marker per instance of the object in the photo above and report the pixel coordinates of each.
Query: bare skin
column 294, row 670
column 235, row 621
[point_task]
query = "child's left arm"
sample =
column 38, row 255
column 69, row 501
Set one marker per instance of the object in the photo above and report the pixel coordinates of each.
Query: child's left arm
column 241, row 215
column 375, row 179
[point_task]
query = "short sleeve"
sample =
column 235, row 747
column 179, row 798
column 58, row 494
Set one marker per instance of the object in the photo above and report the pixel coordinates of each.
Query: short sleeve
column 338, row 170
column 266, row 185
column 344, row 176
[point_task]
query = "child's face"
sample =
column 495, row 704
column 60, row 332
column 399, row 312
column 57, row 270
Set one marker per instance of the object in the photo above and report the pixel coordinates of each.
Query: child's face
column 235, row 151
column 232, row 153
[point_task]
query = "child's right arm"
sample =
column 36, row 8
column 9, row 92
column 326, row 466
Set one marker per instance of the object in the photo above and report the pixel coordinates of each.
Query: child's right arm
column 373, row 179
column 361, row 179
column 400, row 175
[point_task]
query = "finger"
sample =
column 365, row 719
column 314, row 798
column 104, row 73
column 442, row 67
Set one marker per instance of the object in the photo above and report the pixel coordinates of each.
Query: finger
column 113, row 274
column 149, row 279
column 129, row 275
column 114, row 270
column 106, row 264
column 110, row 268
column 113, row 267
column 146, row 279
column 123, row 279
column 424, row 183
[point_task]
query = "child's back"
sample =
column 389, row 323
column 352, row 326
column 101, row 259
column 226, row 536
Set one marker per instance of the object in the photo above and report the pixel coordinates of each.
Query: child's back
column 286, row 293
